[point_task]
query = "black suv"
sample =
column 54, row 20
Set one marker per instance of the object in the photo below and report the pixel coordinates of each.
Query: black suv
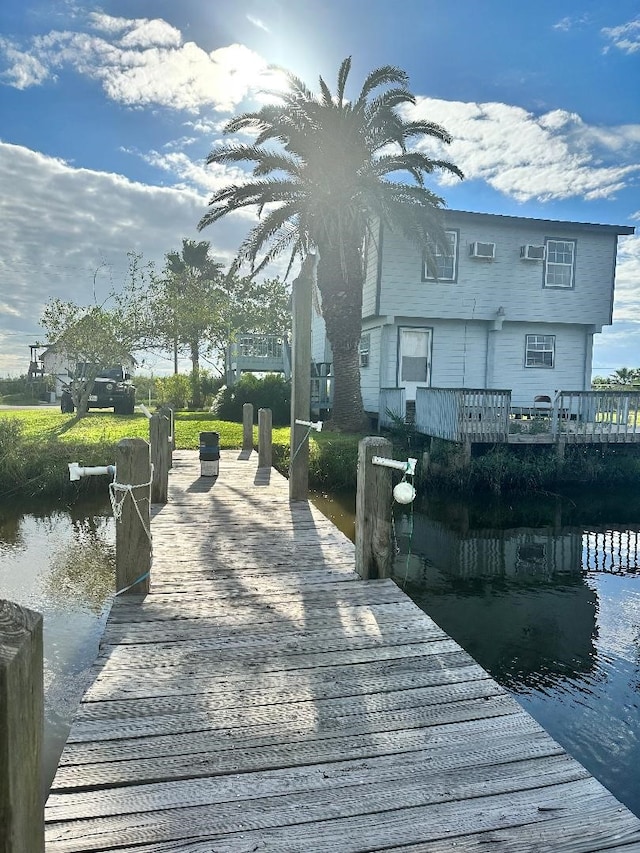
column 111, row 387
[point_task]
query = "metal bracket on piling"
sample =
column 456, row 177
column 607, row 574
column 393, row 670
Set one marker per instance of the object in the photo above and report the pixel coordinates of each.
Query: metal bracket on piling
column 77, row 471
column 317, row 425
column 409, row 467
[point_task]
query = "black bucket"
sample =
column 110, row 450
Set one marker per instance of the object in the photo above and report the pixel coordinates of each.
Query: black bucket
column 209, row 454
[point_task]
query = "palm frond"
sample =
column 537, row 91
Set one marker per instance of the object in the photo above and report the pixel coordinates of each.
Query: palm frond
column 383, row 76
column 343, row 74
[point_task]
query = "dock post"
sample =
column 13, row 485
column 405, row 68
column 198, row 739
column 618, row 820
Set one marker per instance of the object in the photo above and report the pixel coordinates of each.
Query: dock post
column 133, row 530
column 373, row 510
column 168, row 412
column 265, row 438
column 302, row 292
column 247, row 426
column 159, row 437
column 21, row 730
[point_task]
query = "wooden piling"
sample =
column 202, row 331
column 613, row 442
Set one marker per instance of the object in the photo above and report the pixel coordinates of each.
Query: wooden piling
column 21, row 730
column 302, row 291
column 265, row 438
column 247, row 426
column 159, row 435
column 133, row 543
column 168, row 412
column 373, row 510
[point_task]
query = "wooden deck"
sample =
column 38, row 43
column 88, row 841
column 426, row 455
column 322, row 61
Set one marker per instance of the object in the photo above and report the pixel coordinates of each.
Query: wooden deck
column 263, row 698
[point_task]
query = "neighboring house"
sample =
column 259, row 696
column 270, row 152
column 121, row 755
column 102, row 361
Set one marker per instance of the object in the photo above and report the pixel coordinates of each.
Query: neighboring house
column 515, row 306
column 57, row 364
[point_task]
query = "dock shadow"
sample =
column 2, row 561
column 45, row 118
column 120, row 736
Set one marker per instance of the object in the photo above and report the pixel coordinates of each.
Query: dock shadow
column 262, row 477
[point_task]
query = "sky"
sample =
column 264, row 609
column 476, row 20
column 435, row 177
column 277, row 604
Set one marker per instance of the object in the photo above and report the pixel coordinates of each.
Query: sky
column 107, row 113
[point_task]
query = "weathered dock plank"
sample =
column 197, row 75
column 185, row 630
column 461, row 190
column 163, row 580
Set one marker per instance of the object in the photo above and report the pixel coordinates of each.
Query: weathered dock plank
column 263, row 698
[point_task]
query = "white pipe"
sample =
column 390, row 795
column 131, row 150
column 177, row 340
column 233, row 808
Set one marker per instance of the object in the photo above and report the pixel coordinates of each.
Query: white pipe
column 409, row 467
column 144, row 410
column 317, row 425
column 77, row 471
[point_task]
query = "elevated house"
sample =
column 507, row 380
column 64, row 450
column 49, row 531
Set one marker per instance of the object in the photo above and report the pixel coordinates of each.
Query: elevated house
column 509, row 317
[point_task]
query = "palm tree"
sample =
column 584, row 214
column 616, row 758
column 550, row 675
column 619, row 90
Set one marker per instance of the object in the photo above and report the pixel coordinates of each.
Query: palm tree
column 189, row 302
column 320, row 179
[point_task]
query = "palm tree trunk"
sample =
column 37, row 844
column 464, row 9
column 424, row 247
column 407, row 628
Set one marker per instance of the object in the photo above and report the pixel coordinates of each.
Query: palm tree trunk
column 196, row 400
column 340, row 285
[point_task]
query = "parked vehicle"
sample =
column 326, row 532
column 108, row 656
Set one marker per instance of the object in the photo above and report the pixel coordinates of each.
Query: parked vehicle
column 112, row 387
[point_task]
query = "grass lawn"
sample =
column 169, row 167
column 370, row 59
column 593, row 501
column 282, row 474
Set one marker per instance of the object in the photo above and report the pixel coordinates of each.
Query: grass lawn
column 37, row 444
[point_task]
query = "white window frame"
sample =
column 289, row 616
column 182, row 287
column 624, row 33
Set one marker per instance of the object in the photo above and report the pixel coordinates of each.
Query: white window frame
column 559, row 263
column 539, row 344
column 439, row 255
column 364, row 348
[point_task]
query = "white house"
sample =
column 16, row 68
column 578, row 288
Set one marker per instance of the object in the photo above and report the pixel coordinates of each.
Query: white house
column 515, row 305
column 57, row 363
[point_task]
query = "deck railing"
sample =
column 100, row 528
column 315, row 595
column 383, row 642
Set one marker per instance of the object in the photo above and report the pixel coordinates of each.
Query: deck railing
column 392, row 403
column 602, row 416
column 259, row 346
column 458, row 414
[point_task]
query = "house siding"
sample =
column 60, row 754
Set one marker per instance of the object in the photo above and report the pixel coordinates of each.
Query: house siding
column 572, row 350
column 517, row 285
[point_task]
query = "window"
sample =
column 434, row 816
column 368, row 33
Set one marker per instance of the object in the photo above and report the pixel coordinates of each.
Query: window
column 540, row 351
column 446, row 261
column 365, row 345
column 559, row 263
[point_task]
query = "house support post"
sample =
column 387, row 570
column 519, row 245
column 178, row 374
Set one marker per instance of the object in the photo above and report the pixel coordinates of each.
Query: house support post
column 265, row 438
column 159, row 439
column 301, row 381
column 466, row 453
column 21, row 730
column 561, row 446
column 373, row 510
column 247, row 426
column 133, row 529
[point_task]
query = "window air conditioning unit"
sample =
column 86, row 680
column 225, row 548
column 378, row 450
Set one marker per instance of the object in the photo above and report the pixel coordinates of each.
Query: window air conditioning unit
column 532, row 253
column 482, row 250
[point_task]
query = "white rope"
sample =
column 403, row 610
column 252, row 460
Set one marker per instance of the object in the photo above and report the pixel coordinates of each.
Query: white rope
column 118, row 503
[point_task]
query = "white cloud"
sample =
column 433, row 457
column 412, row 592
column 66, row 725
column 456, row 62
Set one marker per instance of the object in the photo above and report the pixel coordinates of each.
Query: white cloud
column 141, row 62
column 61, row 224
column 24, row 70
column 553, row 156
column 570, row 23
column 257, row 22
column 625, row 37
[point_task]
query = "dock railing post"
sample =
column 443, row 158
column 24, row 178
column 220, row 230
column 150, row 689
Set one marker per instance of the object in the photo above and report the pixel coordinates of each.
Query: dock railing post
column 265, row 438
column 247, row 426
column 373, row 510
column 21, row 730
column 301, row 295
column 168, row 412
column 159, row 433
column 133, row 530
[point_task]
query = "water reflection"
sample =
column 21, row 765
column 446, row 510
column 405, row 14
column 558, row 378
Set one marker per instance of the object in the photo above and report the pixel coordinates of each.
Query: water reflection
column 537, row 606
column 59, row 561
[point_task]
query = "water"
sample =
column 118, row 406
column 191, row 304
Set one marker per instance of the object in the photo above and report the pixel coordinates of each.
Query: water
column 60, row 561
column 545, row 595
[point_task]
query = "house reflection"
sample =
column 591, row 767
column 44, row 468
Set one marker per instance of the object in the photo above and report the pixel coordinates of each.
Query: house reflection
column 515, row 598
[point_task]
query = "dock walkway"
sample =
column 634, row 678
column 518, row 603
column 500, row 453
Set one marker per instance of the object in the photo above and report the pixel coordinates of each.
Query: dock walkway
column 263, row 698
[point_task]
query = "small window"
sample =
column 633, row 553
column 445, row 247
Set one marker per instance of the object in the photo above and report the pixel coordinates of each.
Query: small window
column 559, row 263
column 446, row 261
column 365, row 344
column 540, row 351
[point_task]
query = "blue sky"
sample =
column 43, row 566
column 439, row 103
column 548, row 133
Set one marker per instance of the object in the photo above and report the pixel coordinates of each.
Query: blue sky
column 108, row 111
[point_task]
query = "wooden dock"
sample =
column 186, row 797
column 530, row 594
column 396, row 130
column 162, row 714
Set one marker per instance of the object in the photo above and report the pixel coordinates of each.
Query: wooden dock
column 263, row 698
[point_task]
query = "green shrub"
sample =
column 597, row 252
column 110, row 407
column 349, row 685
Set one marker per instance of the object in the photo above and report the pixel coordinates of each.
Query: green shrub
column 173, row 391
column 273, row 392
